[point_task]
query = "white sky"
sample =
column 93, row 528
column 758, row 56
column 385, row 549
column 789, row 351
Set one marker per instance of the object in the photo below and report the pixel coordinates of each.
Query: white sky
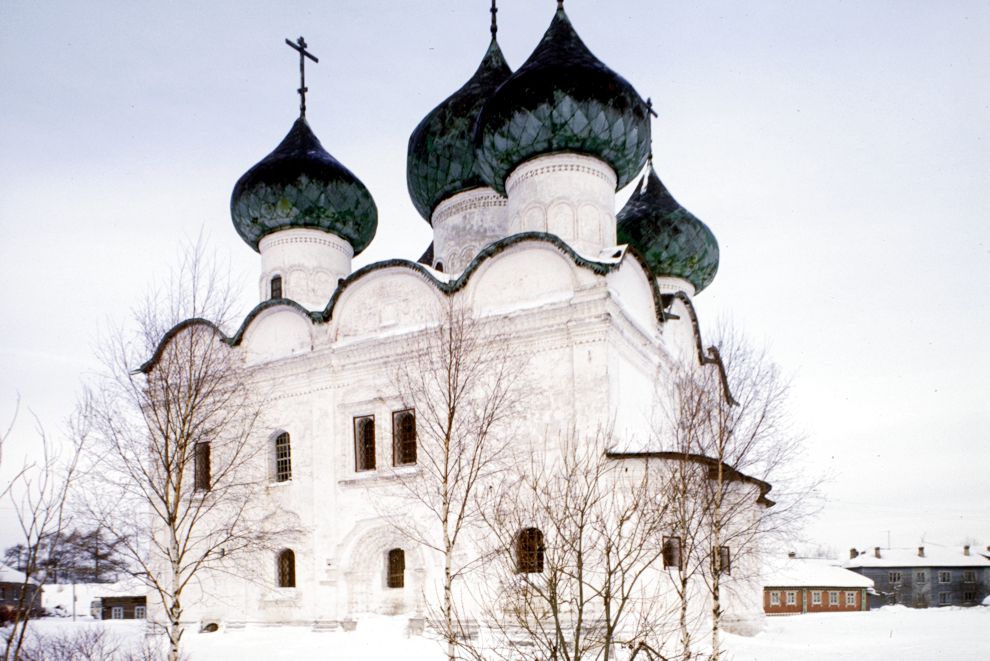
column 840, row 151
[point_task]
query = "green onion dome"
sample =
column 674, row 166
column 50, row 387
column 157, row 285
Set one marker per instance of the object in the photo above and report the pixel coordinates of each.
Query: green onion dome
column 301, row 185
column 671, row 239
column 441, row 157
column 563, row 99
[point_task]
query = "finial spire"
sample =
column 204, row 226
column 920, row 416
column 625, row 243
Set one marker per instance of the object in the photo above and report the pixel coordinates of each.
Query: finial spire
column 560, row 5
column 300, row 46
column 494, row 11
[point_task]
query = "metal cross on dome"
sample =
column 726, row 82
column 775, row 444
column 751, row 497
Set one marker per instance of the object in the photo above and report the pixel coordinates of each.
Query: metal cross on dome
column 300, row 46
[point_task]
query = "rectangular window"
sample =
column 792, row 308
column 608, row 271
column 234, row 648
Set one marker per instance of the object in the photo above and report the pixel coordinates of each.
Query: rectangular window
column 791, row 598
column 775, row 598
column 945, row 577
column 283, row 458
column 672, row 552
column 724, row 560
column 920, row 577
column 117, row 613
column 969, row 576
column 364, row 443
column 850, row 598
column 816, row 597
column 404, row 438
column 943, row 599
column 201, row 467
column 833, row 598
column 894, row 576
column 396, row 568
column 139, row 612
column 969, row 596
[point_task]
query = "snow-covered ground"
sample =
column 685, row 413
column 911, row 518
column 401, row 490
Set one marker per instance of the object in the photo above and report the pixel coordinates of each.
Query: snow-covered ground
column 894, row 633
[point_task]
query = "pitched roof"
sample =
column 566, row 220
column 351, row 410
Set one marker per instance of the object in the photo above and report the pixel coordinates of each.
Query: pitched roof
column 935, row 556
column 811, row 573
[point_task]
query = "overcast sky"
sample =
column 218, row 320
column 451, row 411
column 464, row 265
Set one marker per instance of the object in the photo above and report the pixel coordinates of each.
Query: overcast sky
column 840, row 152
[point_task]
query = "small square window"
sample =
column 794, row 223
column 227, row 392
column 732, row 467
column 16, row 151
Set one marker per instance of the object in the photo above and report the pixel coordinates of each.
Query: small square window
column 850, row 598
column 969, row 576
column 945, row 577
column 791, row 598
column 969, row 596
column 944, row 599
column 920, row 577
column 139, row 612
column 894, row 576
column 816, row 597
column 774, row 598
column 117, row 613
column 833, row 598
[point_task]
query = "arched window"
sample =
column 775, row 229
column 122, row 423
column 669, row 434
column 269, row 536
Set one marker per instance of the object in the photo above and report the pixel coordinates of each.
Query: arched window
column 529, row 551
column 276, row 286
column 404, row 437
column 283, row 458
column 364, row 443
column 439, row 266
column 287, row 569
column 396, row 568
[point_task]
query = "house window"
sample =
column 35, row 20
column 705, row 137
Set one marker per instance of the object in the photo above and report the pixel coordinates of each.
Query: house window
column 894, row 576
column 201, row 467
column 791, row 598
column 287, row 569
column 364, row 443
column 276, row 286
column 139, row 612
column 920, row 577
column 529, row 551
column 117, row 613
column 833, row 598
column 283, row 458
column 969, row 576
column 943, row 598
column 439, row 267
column 404, row 437
column 816, row 597
column 721, row 560
column 396, row 568
column 672, row 552
column 945, row 577
column 969, row 596
column 775, row 598
column 850, row 598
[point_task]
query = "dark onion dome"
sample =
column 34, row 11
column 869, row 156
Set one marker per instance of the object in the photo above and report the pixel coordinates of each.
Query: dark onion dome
column 671, row 239
column 301, row 185
column 441, row 157
column 563, row 99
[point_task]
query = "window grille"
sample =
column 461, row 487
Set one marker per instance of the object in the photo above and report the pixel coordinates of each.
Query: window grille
column 287, row 569
column 139, row 612
column 364, row 443
column 276, row 286
column 833, row 598
column 283, row 458
column 775, row 598
column 791, row 598
column 396, row 568
column 945, row 577
column 850, row 598
column 816, row 597
column 201, row 467
column 529, row 551
column 404, row 437
column 894, row 577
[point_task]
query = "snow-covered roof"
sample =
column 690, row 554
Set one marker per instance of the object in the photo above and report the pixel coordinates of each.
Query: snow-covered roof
column 935, row 556
column 811, row 573
column 11, row 575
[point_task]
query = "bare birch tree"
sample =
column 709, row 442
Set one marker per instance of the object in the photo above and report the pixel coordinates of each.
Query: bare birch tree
column 577, row 570
column 462, row 385
column 730, row 417
column 38, row 493
column 171, row 423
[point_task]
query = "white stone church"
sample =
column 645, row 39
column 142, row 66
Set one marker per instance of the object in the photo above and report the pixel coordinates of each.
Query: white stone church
column 517, row 173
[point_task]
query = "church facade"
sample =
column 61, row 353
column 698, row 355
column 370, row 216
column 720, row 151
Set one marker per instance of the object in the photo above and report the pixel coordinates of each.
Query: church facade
column 517, row 173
